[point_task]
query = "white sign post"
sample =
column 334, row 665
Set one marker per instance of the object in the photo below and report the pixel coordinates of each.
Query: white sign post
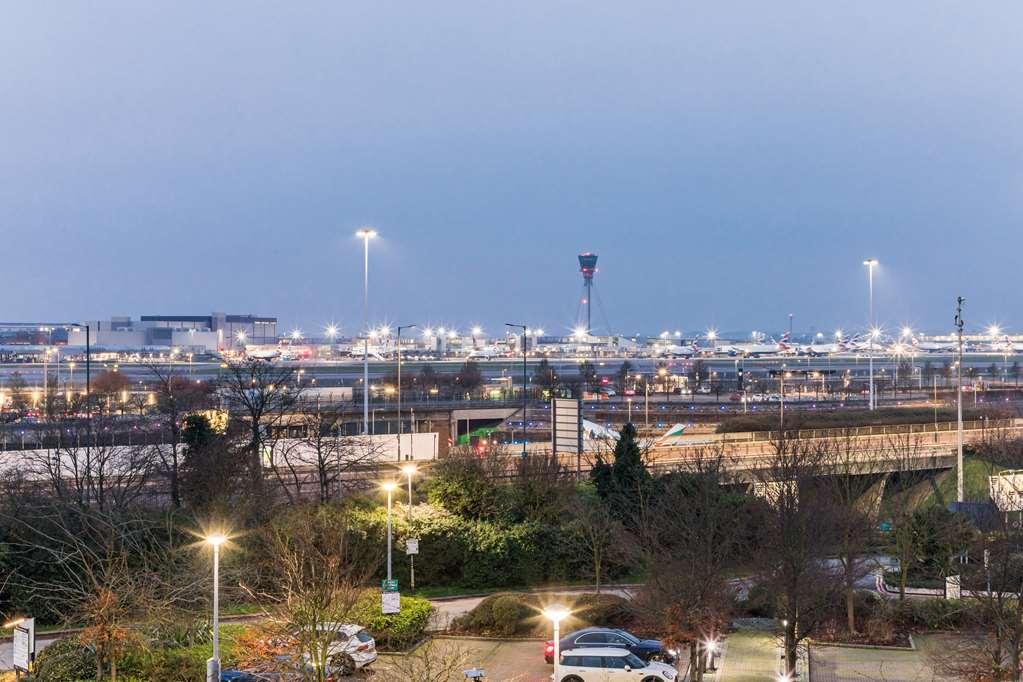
column 567, row 428
column 953, row 587
column 412, row 546
column 390, row 602
column 24, row 645
column 1006, row 490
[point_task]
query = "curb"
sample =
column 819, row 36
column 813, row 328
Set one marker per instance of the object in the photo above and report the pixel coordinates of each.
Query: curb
column 537, row 590
column 873, row 647
column 479, row 638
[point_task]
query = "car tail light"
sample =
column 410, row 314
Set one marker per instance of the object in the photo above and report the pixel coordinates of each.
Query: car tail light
column 550, row 648
column 362, row 647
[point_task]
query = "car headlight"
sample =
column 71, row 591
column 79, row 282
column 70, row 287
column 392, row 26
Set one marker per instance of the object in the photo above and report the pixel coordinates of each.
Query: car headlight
column 669, row 674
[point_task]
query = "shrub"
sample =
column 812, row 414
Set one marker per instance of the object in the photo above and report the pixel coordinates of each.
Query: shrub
column 66, row 659
column 516, row 614
column 459, row 552
column 395, row 631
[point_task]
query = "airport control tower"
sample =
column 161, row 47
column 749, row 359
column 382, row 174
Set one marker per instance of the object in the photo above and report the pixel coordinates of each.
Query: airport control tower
column 588, row 266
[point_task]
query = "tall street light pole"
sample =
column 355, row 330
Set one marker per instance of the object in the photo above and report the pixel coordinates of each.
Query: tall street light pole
column 365, row 235
column 400, row 327
column 959, row 400
column 556, row 613
column 524, row 328
column 213, row 664
column 390, row 487
column 410, row 470
column 870, row 263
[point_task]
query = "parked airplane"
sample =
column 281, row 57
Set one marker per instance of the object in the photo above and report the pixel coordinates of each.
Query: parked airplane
column 487, row 352
column 675, row 351
column 819, row 349
column 755, row 350
column 934, row 346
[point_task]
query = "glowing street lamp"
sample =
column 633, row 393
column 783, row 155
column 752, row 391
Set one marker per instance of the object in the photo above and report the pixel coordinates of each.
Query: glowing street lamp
column 556, row 613
column 871, row 263
column 365, row 234
column 389, row 487
column 215, row 540
column 409, row 470
column 241, row 336
column 296, row 334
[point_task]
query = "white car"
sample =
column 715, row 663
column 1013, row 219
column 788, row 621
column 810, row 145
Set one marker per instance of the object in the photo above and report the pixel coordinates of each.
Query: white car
column 610, row 664
column 352, row 649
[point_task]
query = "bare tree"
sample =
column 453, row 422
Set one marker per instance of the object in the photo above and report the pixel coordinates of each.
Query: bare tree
column 175, row 397
column 595, row 531
column 317, row 452
column 434, row 661
column 110, row 571
column 855, row 491
column 318, row 567
column 797, row 534
column 87, row 468
column 700, row 533
column 260, row 393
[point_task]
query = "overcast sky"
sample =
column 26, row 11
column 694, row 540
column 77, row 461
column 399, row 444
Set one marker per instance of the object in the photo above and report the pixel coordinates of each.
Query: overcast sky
column 730, row 162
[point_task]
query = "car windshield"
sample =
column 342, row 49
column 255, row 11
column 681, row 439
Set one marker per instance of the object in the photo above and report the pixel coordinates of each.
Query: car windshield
column 629, row 638
column 634, row 662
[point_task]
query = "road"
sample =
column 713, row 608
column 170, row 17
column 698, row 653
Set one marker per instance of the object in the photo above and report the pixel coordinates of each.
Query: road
column 445, row 611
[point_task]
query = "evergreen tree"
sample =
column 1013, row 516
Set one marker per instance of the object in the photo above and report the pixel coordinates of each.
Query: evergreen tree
column 620, row 482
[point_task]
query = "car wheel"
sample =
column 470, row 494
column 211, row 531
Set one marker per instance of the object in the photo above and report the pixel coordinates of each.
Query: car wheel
column 651, row 679
column 571, row 678
column 344, row 665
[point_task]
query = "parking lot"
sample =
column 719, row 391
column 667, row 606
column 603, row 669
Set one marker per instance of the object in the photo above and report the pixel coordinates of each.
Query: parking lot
column 517, row 661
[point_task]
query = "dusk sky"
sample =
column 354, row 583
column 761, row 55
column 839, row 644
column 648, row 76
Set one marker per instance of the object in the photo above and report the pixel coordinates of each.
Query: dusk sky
column 730, row 162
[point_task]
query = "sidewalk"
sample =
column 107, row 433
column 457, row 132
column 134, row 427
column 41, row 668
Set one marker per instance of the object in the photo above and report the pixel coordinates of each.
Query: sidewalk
column 749, row 656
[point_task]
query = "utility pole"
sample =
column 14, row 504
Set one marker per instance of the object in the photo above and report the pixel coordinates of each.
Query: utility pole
column 959, row 400
column 398, row 346
column 525, row 397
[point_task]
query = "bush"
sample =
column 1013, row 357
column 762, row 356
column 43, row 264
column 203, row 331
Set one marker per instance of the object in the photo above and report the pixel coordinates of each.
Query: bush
column 64, row 660
column 396, row 631
column 517, row 614
column 467, row 553
column 932, row 614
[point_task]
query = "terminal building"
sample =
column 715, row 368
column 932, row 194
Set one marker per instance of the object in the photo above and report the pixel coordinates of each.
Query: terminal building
column 188, row 333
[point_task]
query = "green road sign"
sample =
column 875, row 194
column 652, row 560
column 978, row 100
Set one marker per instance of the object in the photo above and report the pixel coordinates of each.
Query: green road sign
column 389, row 585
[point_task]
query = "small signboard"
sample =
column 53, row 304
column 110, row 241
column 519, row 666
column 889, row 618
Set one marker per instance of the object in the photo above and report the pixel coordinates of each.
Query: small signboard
column 412, row 546
column 390, row 602
column 1006, row 490
column 953, row 587
column 24, row 644
column 389, row 585
column 567, row 426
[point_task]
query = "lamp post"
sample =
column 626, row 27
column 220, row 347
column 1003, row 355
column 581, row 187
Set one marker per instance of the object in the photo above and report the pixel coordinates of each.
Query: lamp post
column 959, row 399
column 332, row 335
column 410, row 470
column 524, row 329
column 213, row 665
column 556, row 613
column 390, row 487
column 870, row 263
column 365, row 235
column 398, row 346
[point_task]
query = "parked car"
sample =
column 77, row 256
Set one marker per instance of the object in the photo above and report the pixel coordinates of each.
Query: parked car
column 352, row 649
column 611, row 664
column 647, row 649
